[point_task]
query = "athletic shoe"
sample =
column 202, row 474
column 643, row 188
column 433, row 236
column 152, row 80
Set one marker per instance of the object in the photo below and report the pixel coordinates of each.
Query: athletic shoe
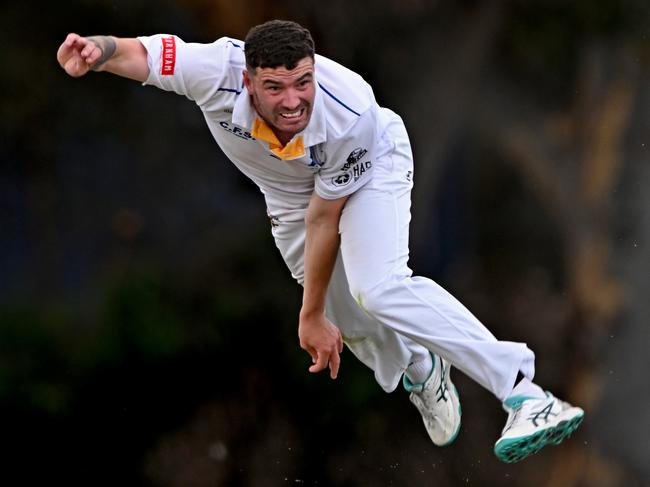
column 534, row 423
column 438, row 402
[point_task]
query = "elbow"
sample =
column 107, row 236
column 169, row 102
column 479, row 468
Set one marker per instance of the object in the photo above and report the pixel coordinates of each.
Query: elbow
column 320, row 220
column 322, row 212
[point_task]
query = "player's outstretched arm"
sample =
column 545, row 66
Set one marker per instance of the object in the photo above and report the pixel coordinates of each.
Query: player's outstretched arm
column 125, row 57
column 318, row 336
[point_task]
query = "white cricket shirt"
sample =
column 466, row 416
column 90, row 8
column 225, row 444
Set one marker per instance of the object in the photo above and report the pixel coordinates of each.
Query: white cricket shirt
column 334, row 155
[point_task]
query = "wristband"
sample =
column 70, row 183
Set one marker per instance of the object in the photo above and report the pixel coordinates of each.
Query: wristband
column 107, row 45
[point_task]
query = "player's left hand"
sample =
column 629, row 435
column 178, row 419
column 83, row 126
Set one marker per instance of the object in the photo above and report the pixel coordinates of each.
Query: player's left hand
column 77, row 54
column 322, row 340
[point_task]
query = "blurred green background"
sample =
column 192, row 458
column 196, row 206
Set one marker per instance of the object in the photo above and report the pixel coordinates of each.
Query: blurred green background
column 148, row 325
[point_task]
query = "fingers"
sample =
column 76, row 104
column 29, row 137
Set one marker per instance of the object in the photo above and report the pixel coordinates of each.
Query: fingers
column 321, row 362
column 91, row 52
column 335, row 362
column 65, row 50
column 71, row 39
column 71, row 43
column 324, row 342
column 325, row 359
column 312, row 352
column 77, row 54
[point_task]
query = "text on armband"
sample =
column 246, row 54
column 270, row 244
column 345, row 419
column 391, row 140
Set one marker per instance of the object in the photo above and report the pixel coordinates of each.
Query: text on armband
column 168, row 62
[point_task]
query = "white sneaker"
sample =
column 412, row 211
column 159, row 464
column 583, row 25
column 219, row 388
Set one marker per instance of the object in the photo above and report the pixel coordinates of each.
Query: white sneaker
column 438, row 403
column 534, row 423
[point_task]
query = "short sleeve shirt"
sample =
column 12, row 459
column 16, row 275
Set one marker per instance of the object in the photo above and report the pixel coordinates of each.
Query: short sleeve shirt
column 334, row 155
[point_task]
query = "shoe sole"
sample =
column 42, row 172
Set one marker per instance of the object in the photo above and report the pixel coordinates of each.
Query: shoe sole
column 513, row 450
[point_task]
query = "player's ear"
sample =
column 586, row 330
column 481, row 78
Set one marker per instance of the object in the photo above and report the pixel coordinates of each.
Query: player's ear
column 248, row 81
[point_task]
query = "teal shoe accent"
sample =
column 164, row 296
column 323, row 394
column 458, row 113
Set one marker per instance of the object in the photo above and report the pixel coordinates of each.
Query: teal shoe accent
column 428, row 398
column 460, row 413
column 513, row 450
column 513, row 402
column 410, row 387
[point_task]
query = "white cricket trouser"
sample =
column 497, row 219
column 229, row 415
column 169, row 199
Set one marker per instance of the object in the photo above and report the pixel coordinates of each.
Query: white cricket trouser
column 387, row 317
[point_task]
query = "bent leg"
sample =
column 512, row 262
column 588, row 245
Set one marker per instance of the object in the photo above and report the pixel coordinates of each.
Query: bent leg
column 381, row 349
column 374, row 246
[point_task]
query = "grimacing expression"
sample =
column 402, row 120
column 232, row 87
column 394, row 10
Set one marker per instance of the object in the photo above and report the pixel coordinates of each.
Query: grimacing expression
column 283, row 97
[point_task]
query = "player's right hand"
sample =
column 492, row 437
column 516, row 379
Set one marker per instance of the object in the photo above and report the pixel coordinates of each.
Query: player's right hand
column 322, row 340
column 77, row 55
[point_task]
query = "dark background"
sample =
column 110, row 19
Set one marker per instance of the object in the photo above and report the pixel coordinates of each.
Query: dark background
column 147, row 323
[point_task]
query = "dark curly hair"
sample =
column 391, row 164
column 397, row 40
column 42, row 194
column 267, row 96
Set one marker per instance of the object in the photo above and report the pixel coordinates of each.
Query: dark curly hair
column 277, row 43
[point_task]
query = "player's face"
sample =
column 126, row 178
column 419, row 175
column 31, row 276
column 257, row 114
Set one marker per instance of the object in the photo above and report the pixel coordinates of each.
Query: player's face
column 283, row 97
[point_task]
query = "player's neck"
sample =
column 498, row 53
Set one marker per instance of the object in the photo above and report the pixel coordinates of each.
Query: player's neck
column 283, row 137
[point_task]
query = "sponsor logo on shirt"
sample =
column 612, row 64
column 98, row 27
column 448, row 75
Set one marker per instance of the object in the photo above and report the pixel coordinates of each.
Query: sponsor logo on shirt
column 356, row 155
column 342, row 179
column 353, row 173
column 233, row 129
column 353, row 158
column 168, row 62
column 360, row 168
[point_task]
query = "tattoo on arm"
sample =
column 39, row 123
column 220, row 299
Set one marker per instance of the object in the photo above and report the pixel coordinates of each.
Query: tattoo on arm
column 107, row 45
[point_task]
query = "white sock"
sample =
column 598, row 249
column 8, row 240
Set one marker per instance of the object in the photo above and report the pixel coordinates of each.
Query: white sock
column 527, row 387
column 418, row 372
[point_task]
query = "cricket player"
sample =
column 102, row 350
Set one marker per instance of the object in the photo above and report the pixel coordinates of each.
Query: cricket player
column 336, row 172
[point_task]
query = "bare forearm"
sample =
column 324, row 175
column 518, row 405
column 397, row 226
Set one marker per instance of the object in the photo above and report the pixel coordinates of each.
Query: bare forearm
column 319, row 336
column 124, row 57
column 321, row 246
